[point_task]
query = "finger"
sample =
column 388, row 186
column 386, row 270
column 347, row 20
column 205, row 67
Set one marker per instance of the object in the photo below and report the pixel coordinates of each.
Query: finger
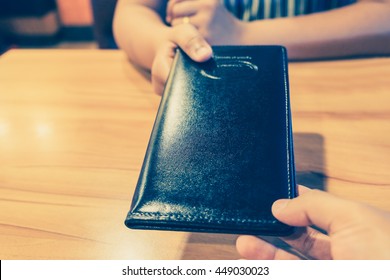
column 195, row 20
column 253, row 248
column 310, row 243
column 183, row 9
column 183, row 20
column 303, row 189
column 188, row 38
column 315, row 207
column 168, row 12
column 161, row 67
column 169, row 9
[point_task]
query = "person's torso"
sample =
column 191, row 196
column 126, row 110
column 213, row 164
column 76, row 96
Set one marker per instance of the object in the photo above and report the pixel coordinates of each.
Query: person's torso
column 265, row 9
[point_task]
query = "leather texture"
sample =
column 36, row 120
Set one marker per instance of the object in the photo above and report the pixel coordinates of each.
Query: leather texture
column 221, row 149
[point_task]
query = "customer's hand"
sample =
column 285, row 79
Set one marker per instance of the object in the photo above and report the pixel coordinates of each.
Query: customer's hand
column 189, row 40
column 214, row 22
column 355, row 231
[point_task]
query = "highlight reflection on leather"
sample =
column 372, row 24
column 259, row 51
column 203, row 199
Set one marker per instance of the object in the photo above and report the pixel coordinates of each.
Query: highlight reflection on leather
column 221, row 151
column 228, row 68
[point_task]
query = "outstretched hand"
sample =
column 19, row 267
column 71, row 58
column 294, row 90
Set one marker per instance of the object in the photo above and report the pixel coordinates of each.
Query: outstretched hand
column 355, row 231
column 188, row 38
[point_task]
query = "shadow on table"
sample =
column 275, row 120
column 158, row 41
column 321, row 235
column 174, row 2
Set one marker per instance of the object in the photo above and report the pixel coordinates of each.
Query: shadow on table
column 309, row 155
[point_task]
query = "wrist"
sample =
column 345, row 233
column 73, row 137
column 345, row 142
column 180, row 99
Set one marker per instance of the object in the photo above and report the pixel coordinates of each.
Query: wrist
column 240, row 33
column 249, row 33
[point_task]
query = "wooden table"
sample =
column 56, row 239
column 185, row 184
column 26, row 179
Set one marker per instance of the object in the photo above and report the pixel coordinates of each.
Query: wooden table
column 74, row 126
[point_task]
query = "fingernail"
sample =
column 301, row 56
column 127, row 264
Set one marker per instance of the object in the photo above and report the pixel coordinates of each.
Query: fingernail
column 279, row 205
column 202, row 52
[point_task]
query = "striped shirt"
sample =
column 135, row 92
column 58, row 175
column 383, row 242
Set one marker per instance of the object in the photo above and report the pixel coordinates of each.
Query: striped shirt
column 264, row 9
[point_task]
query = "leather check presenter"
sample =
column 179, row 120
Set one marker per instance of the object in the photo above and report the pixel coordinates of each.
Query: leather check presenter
column 221, row 149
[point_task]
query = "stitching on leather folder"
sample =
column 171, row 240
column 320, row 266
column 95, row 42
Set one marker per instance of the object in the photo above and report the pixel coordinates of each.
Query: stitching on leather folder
column 191, row 218
column 286, row 98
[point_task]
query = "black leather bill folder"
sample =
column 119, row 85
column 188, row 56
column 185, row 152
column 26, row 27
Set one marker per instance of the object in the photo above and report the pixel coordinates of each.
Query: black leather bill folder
column 221, row 149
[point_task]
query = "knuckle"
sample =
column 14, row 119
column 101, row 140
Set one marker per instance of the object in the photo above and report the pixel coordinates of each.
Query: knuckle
column 314, row 193
column 192, row 40
column 185, row 34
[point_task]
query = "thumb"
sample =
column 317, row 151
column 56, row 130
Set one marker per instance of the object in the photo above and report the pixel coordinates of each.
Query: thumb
column 188, row 38
column 315, row 207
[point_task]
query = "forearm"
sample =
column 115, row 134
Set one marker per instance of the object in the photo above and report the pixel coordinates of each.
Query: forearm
column 139, row 30
column 359, row 29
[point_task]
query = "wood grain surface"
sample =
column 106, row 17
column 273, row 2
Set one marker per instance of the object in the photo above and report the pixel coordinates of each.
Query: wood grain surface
column 74, row 125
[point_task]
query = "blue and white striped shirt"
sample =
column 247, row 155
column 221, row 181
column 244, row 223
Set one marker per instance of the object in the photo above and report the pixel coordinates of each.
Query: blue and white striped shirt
column 264, row 9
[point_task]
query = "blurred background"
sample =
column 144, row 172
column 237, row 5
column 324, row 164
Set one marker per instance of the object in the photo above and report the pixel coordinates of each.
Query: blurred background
column 56, row 23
